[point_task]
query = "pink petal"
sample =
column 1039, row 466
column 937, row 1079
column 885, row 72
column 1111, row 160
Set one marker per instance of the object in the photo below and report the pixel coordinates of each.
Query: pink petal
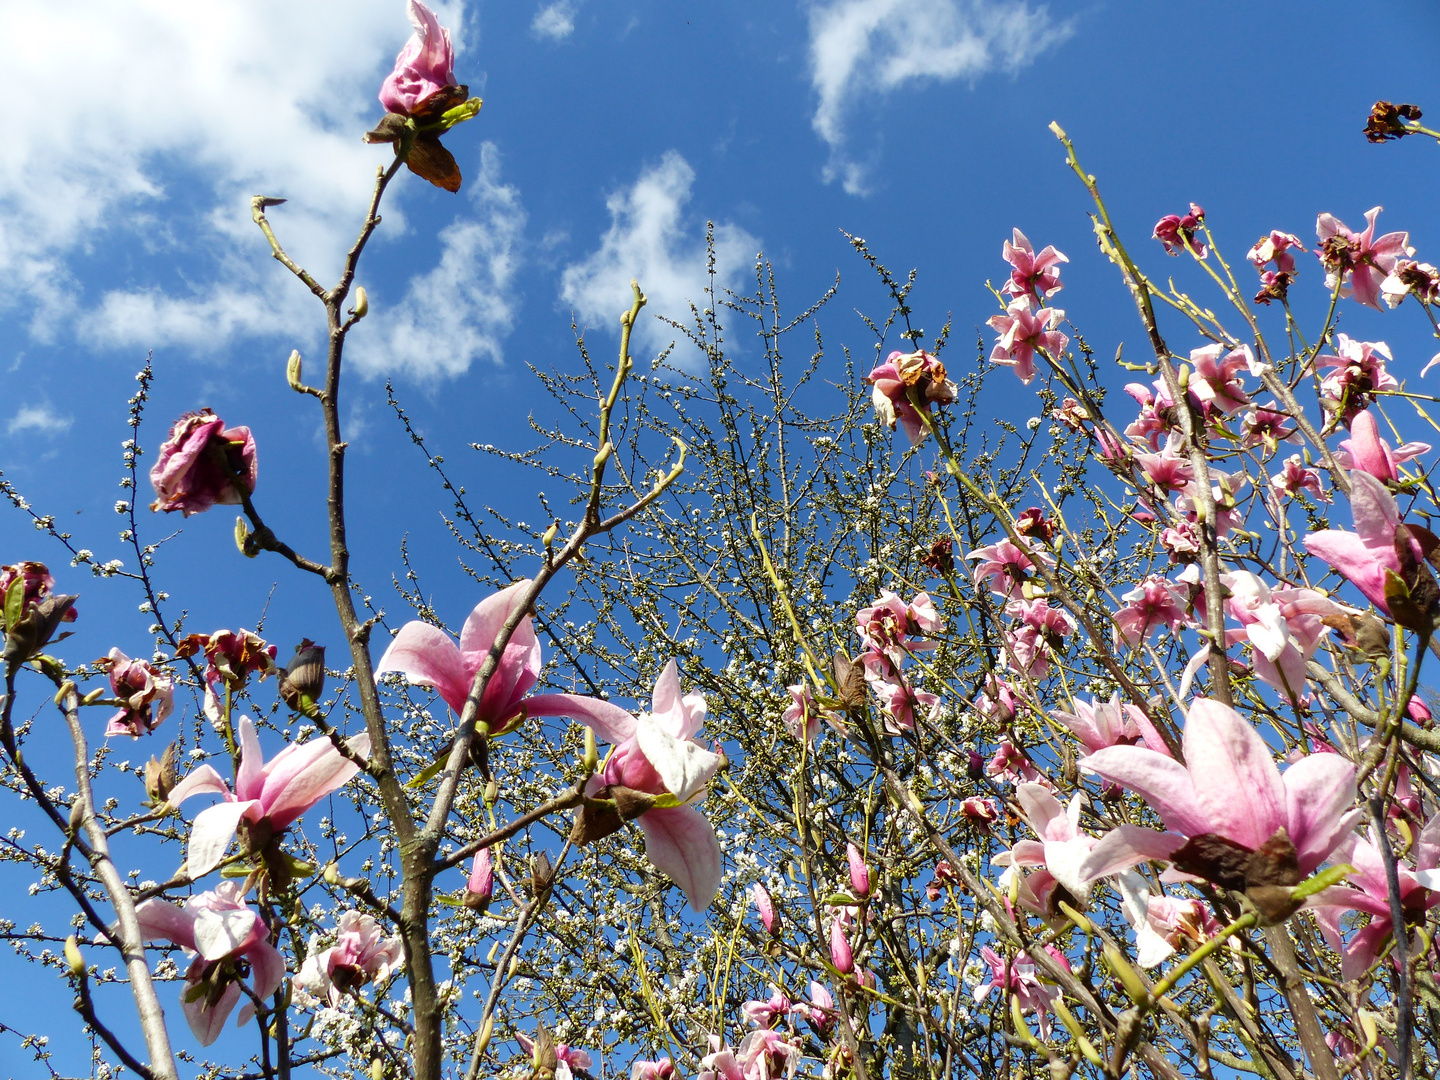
column 1160, row 780
column 1427, row 845
column 252, row 762
column 1236, row 783
column 610, row 723
column 222, row 931
column 267, row 969
column 489, row 617
column 200, row 780
column 427, row 657
column 684, row 767
column 207, row 1023
column 1347, row 553
column 1126, row 846
column 680, row 842
column 1319, row 792
column 1042, row 809
column 211, row 833
column 1373, row 509
column 666, row 698
column 162, row 919
column 310, row 772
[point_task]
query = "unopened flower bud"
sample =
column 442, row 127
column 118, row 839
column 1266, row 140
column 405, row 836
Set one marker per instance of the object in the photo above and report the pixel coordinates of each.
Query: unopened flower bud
column 766, row 907
column 377, row 1069
column 331, row 874
column 73, row 959
column 841, row 955
column 1130, row 978
column 492, row 793
column 292, row 372
column 592, row 752
column 859, row 872
column 975, row 766
column 362, row 303
column 541, row 875
column 550, row 534
column 303, row 680
column 160, row 775
column 481, row 886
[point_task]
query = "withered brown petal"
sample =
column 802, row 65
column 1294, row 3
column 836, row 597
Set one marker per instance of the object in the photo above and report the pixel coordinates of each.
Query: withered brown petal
column 440, row 102
column 431, row 161
column 850, row 679
column 389, row 129
column 1214, row 858
column 594, row 823
column 1274, row 862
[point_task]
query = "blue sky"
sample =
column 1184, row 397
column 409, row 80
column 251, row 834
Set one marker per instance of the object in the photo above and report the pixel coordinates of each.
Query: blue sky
column 136, row 131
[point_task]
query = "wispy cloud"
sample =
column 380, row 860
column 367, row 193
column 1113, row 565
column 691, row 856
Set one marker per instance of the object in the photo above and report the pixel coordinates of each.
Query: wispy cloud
column 41, row 419
column 555, row 20
column 650, row 239
column 462, row 310
column 204, row 105
column 868, row 47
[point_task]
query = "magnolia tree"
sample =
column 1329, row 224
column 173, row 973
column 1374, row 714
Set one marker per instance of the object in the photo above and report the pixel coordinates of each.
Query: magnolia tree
column 1088, row 746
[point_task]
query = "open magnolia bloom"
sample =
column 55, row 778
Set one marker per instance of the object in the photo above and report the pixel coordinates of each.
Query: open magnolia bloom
column 1061, row 849
column 655, row 775
column 428, row 656
column 268, row 795
column 1231, row 817
column 231, row 943
column 1365, row 555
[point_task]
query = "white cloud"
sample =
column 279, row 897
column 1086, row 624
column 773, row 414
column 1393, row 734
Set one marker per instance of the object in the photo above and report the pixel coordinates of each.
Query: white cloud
column 39, row 418
column 463, row 309
column 648, row 240
column 860, row 47
column 193, row 109
column 555, row 20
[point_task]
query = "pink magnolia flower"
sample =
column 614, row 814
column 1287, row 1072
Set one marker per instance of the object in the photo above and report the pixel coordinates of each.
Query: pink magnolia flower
column 1154, row 603
column 766, row 907
column 226, row 935
column 1061, row 849
column 28, row 586
column 662, row 762
column 898, row 699
column 189, row 475
column 981, row 810
column 765, row 1013
column 1365, row 555
column 1224, row 488
column 425, row 66
column 1022, row 331
column 1296, row 477
column 361, row 954
column 819, row 1010
column 1161, row 923
column 1041, row 630
column 1100, row 724
column 1175, row 231
column 1283, row 626
column 720, row 1063
column 1370, row 894
column 663, row 1069
column 892, row 382
column 859, row 872
column 1366, row 450
column 1007, row 565
column 766, row 1055
column 1358, row 259
column 1214, row 384
column 566, row 1057
column 268, row 796
column 148, row 695
column 996, row 701
column 802, row 718
column 1230, row 788
column 427, row 656
column 1407, row 277
column 1018, row 977
column 1358, row 374
column 1264, row 426
column 36, row 583
column 1155, row 417
column 1169, row 470
column 1012, row 765
column 1033, row 275
column 944, row 875
column 890, row 629
column 1275, row 248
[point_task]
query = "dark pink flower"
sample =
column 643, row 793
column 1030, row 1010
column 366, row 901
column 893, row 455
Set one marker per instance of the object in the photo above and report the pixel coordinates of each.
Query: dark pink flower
column 1154, row 603
column 567, row 1058
column 891, row 629
column 480, row 885
column 1176, row 231
column 1022, row 331
column 1033, row 275
column 859, row 872
column 944, row 875
column 1264, row 426
column 1366, row 450
column 425, row 66
column 766, row 907
column 1358, row 259
column 663, row 1069
column 1297, row 477
column 1006, row 566
column 765, row 1013
column 29, row 586
column 1367, row 554
column 1169, row 470
column 841, row 955
column 148, row 695
column 1213, row 384
column 200, row 464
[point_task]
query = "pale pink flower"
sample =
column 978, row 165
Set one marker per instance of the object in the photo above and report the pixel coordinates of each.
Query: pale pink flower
column 188, row 474
column 1033, row 275
column 819, row 1010
column 1098, row 724
column 1006, row 566
column 766, row 1055
column 1229, row 786
column 1022, row 331
column 425, row 66
column 802, row 718
column 1357, row 374
column 720, row 1063
column 1365, row 555
column 221, row 929
column 1407, row 277
column 1169, row 470
column 1275, row 248
column 1012, row 765
column 891, row 383
column 1060, row 851
column 663, row 1069
column 1366, row 450
column 765, row 1013
column 1297, row 477
column 268, row 796
column 996, row 700
column 148, row 695
column 1181, row 541
column 361, row 954
column 1264, row 426
column 427, row 656
column 1154, row 419
column 1175, row 231
column 663, row 759
column 766, row 907
column 1358, row 259
column 898, row 699
column 1041, row 630
column 1018, row 977
column 1283, row 626
column 1161, row 923
column 1154, row 603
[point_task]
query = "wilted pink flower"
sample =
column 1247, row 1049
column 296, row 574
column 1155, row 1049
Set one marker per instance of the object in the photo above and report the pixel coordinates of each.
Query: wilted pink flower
column 944, row 875
column 859, row 872
column 427, row 656
column 841, row 955
column 1408, row 277
column 1358, row 259
column 425, row 65
column 1284, row 626
column 663, row 1069
column 1358, row 374
column 765, row 1013
column 1022, row 331
column 891, row 629
column 200, row 464
column 981, row 810
column 1018, row 977
column 148, row 695
column 232, row 655
column 222, row 929
column 1365, row 555
column 1154, row 603
column 1033, row 275
column 766, row 907
column 767, row 1055
column 1371, row 895
column 28, row 585
column 892, row 382
column 1007, row 565
column 1275, row 248
column 1100, row 724
column 361, row 954
column 1296, row 477
column 661, row 757
column 566, row 1057
column 1230, row 788
column 1175, row 231
column 36, row 583
column 1366, row 450
column 268, row 796
column 1214, row 383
